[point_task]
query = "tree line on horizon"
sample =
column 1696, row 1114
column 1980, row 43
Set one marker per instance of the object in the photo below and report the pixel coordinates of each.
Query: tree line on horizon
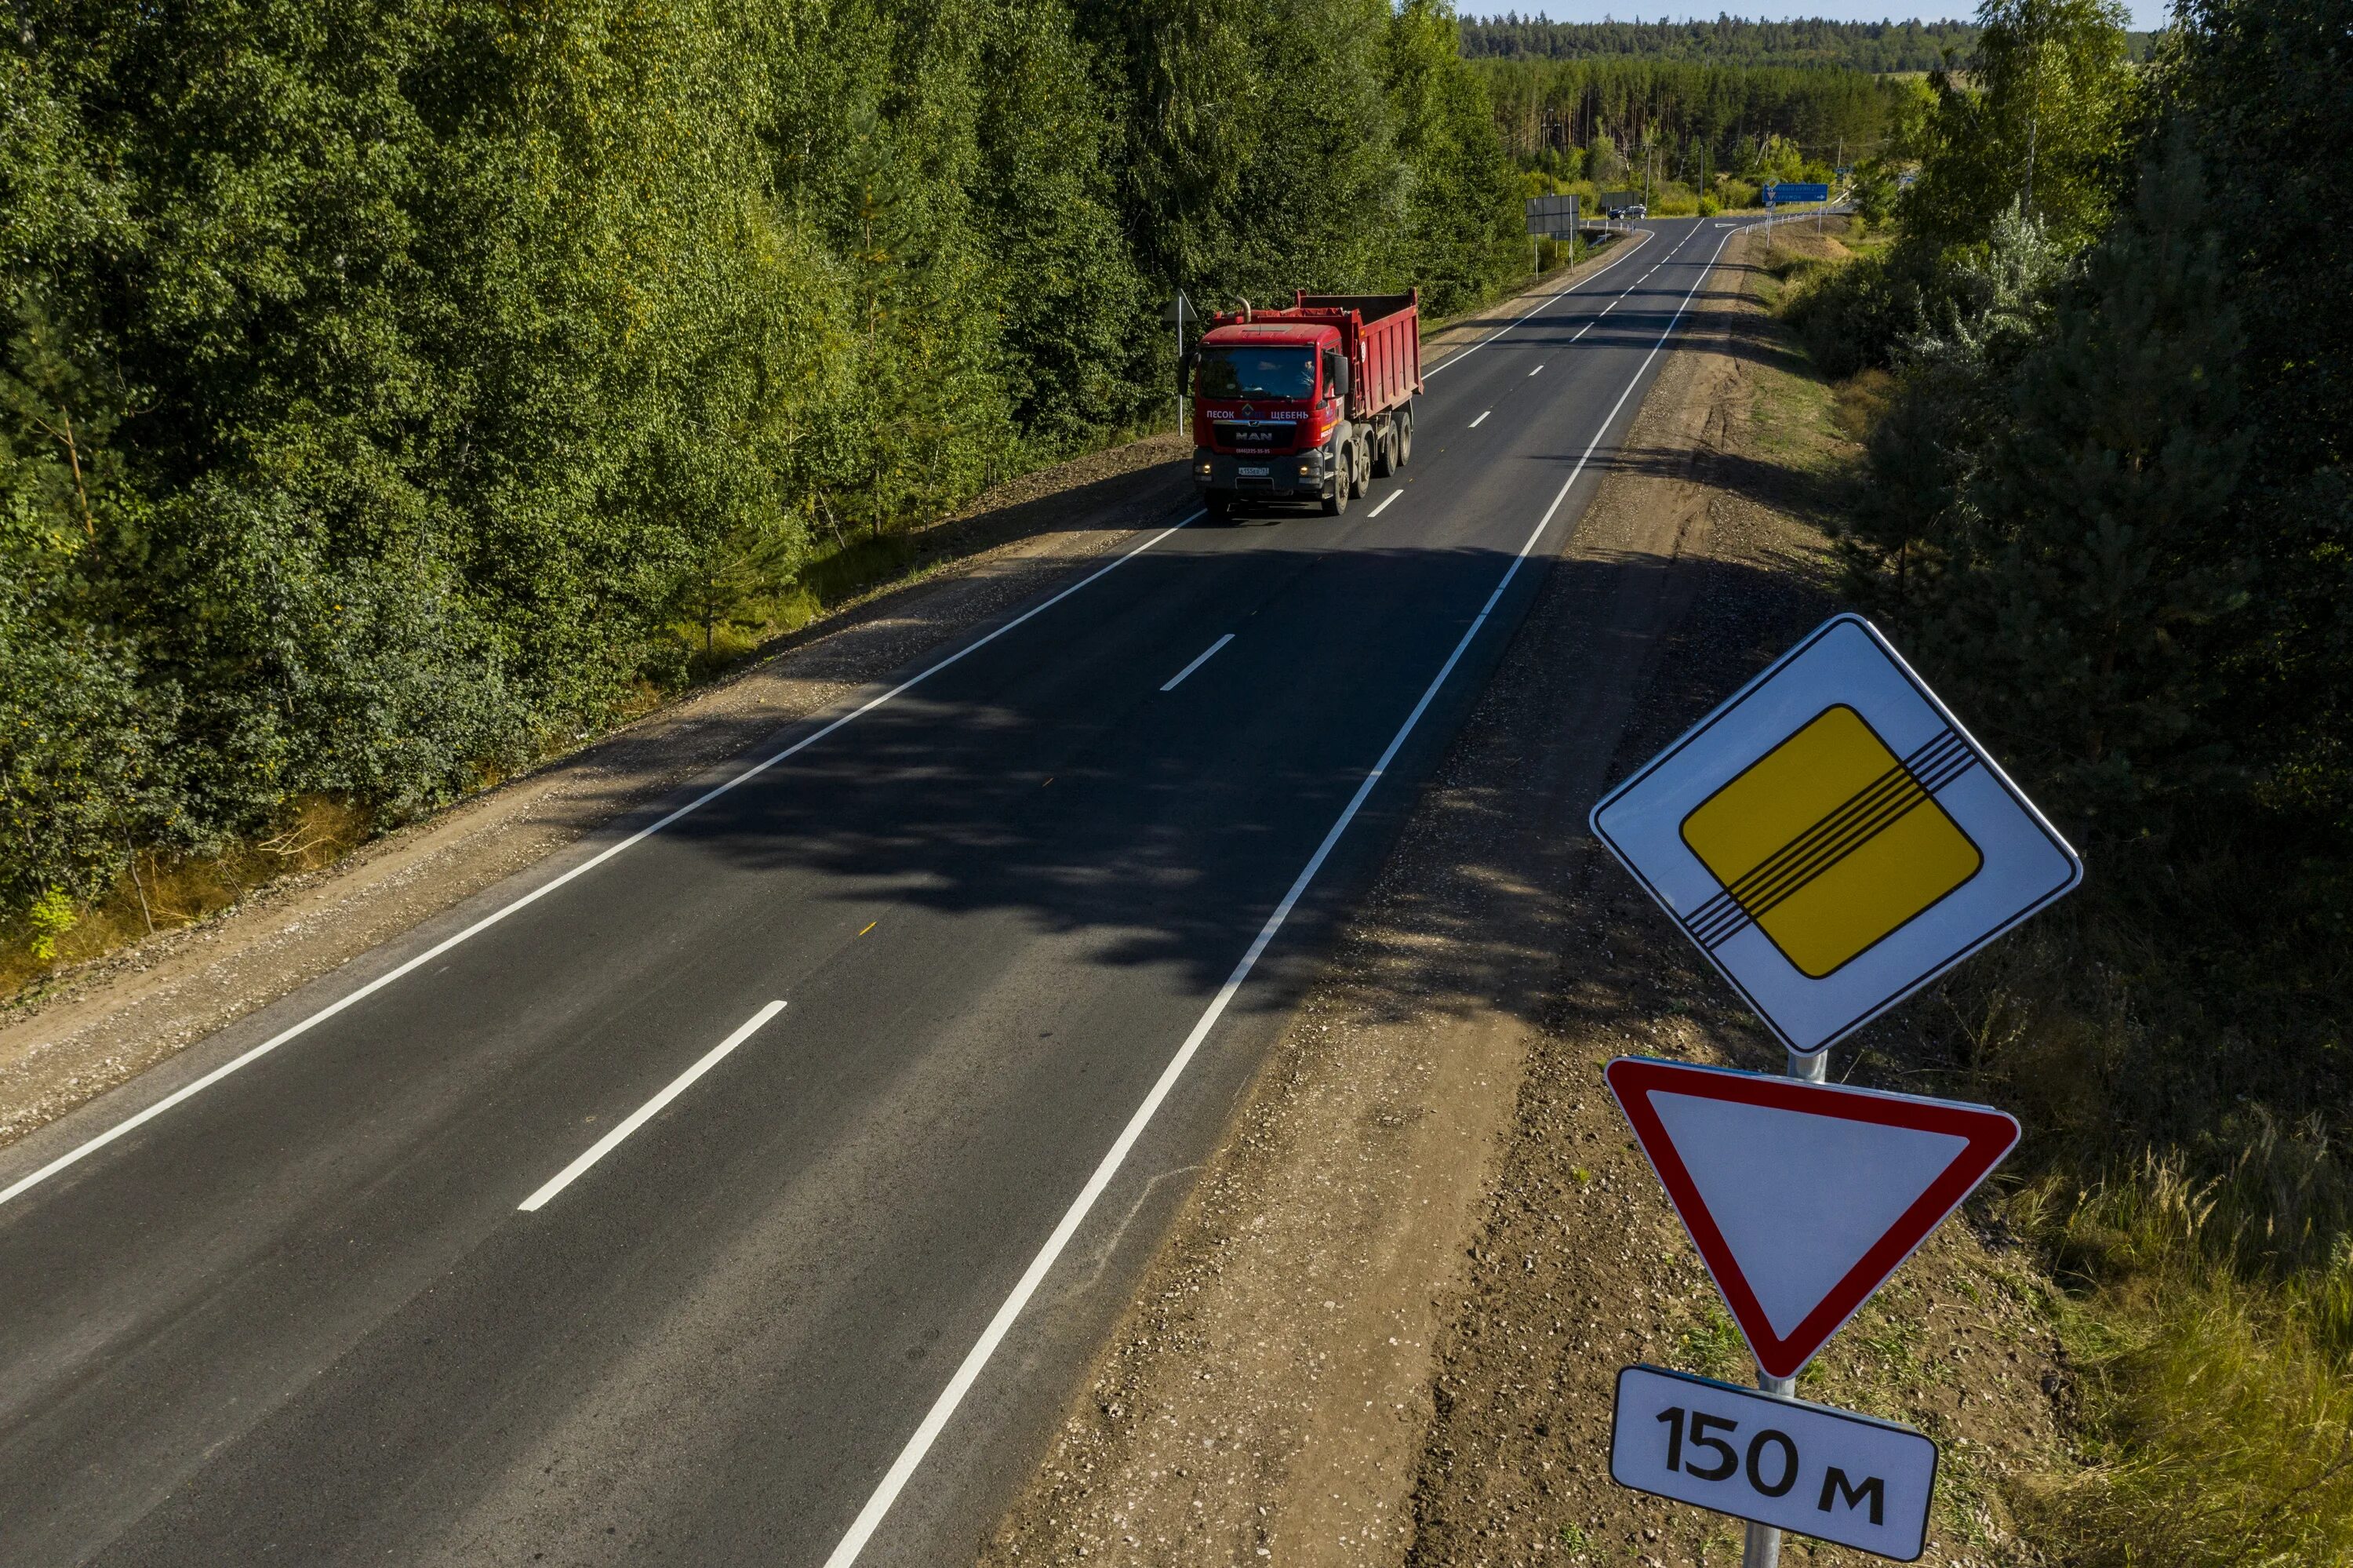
column 394, row 390
column 1589, row 118
column 1729, row 40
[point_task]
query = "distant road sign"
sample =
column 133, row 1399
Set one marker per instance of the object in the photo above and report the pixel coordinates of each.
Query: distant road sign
column 1552, row 215
column 1802, row 1198
column 1832, row 839
column 1803, row 1467
column 1786, row 192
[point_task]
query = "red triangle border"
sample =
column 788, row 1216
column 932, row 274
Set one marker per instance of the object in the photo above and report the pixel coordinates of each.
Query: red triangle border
column 1991, row 1134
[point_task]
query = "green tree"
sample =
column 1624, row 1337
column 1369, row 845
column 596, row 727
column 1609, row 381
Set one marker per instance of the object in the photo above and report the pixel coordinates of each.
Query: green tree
column 2079, row 590
column 2047, row 118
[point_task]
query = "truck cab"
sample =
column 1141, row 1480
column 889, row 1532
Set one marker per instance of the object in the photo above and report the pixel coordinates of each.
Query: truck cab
column 1270, row 413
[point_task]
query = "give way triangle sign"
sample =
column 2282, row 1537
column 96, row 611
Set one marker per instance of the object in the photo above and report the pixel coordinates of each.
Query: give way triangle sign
column 1802, row 1198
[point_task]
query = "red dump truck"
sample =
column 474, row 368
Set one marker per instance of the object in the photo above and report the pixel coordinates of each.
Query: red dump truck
column 1304, row 402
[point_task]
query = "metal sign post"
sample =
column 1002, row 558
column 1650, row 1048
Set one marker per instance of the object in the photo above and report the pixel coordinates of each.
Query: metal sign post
column 1760, row 1545
column 1550, row 216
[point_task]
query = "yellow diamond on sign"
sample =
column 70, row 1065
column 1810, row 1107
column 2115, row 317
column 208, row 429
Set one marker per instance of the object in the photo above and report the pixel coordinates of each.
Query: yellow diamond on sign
column 1829, row 841
column 1832, row 839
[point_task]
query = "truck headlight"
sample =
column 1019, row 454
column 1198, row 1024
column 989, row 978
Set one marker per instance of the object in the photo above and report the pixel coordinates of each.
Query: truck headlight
column 1202, row 468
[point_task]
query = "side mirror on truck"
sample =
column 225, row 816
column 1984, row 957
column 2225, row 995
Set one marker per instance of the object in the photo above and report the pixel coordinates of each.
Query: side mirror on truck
column 1336, row 371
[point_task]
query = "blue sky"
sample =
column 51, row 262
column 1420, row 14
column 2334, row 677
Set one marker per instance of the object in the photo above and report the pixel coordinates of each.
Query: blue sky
column 2145, row 15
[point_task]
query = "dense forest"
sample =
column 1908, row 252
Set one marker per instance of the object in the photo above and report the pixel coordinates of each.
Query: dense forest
column 1907, row 46
column 2108, row 507
column 1590, row 118
column 395, row 389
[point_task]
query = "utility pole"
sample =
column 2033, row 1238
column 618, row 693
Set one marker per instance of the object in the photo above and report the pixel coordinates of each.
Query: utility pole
column 2034, row 102
column 1174, row 317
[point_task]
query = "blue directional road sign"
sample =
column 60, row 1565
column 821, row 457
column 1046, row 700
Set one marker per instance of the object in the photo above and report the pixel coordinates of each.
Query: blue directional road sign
column 1783, row 194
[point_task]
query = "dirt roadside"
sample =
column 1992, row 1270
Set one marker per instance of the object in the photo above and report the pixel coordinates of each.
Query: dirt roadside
column 85, row 1031
column 1385, row 1326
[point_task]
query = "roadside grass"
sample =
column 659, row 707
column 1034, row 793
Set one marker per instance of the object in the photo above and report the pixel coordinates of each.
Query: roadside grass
column 2217, row 1428
column 161, row 893
column 2172, row 1040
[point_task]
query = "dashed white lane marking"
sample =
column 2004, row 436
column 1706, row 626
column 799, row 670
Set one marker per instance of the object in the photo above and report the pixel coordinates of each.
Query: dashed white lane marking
column 968, row 1370
column 1538, row 369
column 645, row 1113
column 1387, row 502
column 1201, row 658
column 1552, row 298
column 82, row 1152
column 1481, row 420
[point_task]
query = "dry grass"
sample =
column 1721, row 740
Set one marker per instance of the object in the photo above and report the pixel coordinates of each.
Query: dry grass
column 2217, row 1428
column 158, row 893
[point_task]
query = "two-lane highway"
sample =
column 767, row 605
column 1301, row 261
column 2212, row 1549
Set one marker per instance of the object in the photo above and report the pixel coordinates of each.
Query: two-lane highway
column 750, row 1185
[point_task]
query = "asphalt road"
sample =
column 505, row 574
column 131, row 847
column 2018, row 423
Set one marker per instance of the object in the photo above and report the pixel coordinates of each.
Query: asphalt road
column 1033, row 918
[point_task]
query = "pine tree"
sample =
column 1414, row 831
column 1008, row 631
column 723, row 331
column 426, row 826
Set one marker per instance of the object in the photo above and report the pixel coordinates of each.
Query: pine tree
column 2090, row 576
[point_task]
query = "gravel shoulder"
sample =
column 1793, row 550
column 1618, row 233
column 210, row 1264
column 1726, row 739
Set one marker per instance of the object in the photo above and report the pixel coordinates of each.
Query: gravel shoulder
column 1385, row 1326
column 78, row 1034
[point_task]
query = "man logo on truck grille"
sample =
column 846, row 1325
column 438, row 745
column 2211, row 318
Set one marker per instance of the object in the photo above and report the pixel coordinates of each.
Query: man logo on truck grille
column 1829, row 841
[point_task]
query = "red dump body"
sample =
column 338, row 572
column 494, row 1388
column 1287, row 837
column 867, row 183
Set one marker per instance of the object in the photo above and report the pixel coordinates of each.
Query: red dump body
column 1381, row 334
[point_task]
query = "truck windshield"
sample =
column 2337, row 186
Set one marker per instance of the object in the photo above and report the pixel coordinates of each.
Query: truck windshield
column 1247, row 372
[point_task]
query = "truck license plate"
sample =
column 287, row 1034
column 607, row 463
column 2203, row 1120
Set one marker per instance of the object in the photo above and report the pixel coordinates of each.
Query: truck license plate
column 1248, row 472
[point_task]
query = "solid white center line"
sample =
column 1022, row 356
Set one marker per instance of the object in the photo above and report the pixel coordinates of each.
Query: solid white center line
column 645, row 1113
column 1387, row 502
column 1481, row 420
column 1197, row 663
column 1533, row 372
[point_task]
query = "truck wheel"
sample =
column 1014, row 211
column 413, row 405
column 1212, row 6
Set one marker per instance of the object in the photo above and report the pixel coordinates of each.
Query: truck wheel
column 1404, row 436
column 1362, row 472
column 1342, row 486
column 1385, row 459
column 1219, row 508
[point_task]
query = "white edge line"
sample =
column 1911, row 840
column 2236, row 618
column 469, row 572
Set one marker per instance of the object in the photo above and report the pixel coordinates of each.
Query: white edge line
column 645, row 1113
column 968, row 1372
column 83, row 1150
column 1198, row 662
column 1387, row 502
column 1553, row 297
